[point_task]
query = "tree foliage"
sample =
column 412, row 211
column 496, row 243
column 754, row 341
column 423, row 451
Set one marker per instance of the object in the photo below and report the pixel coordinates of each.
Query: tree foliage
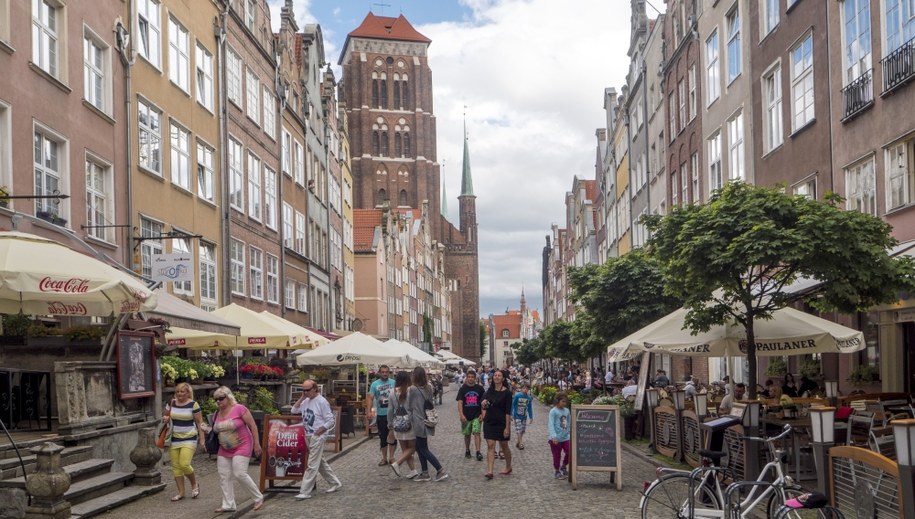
column 618, row 297
column 557, row 341
column 530, row 351
column 735, row 256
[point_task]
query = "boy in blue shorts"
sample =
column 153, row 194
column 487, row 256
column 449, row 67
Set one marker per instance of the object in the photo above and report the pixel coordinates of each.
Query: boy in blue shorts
column 522, row 412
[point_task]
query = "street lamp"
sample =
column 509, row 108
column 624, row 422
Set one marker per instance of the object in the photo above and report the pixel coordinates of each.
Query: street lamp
column 701, row 402
column 832, row 391
column 823, row 431
column 653, row 397
column 904, row 432
column 679, row 398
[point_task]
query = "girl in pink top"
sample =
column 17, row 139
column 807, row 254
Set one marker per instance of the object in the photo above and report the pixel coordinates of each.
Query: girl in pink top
column 237, row 439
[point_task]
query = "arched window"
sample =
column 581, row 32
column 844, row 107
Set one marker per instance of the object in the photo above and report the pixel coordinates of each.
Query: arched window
column 407, row 152
column 376, row 145
column 382, row 196
column 384, row 144
column 404, row 90
column 402, row 199
column 384, row 93
column 397, row 104
column 375, row 92
column 398, row 149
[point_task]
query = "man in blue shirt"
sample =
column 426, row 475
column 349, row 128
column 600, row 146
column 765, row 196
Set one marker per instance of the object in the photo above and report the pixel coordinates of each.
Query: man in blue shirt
column 376, row 406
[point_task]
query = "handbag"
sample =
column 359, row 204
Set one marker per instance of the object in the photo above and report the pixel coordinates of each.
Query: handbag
column 211, row 443
column 402, row 422
column 431, row 419
column 164, row 439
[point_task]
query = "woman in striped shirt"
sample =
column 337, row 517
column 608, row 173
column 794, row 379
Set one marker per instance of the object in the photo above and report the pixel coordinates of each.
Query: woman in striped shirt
column 187, row 437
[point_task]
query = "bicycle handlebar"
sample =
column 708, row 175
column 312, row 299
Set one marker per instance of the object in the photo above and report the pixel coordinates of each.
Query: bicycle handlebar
column 785, row 432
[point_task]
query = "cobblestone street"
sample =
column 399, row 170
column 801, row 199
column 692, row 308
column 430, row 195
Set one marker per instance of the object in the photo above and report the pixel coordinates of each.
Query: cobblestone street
column 531, row 491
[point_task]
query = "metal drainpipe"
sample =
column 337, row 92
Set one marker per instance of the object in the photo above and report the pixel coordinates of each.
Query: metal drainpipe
column 324, row 192
column 629, row 172
column 645, row 125
column 220, row 30
column 279, row 195
column 128, row 61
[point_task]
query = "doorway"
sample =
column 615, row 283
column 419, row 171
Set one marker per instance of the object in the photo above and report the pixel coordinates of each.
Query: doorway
column 908, row 357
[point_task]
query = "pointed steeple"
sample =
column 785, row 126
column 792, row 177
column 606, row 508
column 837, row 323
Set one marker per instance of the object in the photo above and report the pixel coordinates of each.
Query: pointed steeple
column 466, row 179
column 444, row 195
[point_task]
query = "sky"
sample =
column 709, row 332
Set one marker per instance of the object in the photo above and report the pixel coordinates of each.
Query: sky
column 530, row 76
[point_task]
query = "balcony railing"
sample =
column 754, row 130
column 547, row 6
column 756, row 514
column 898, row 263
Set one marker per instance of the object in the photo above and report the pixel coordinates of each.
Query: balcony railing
column 899, row 66
column 858, row 95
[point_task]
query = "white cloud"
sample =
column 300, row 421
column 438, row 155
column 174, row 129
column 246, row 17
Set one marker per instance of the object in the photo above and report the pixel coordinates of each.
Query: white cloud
column 531, row 74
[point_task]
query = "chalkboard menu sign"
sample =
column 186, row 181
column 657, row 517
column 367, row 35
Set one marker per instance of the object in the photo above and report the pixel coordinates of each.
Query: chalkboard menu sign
column 284, row 449
column 595, row 441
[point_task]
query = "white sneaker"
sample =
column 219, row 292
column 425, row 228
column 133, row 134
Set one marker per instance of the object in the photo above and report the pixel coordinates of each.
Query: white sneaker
column 396, row 468
column 333, row 488
column 300, row 497
column 412, row 474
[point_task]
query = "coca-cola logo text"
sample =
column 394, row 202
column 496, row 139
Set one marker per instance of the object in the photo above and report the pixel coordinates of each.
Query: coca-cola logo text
column 66, row 286
column 129, row 307
column 60, row 308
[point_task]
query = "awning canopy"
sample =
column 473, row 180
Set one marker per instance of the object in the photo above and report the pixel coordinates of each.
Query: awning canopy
column 356, row 348
column 181, row 314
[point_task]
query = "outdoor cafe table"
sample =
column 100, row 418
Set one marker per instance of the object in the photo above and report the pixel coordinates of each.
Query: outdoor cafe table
column 797, row 425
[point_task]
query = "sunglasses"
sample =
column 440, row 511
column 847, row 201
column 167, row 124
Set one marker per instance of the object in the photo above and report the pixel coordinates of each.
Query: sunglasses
column 219, row 398
column 307, row 389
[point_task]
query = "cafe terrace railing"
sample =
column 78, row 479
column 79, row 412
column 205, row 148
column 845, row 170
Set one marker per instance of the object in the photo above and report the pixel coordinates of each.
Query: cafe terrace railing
column 864, row 483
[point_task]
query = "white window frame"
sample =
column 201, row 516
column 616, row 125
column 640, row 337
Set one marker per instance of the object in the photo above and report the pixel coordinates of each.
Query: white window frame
column 736, row 148
column 252, row 90
column 856, row 47
column 149, row 137
column 806, row 187
column 204, row 67
column 715, row 177
column 48, row 29
column 302, row 297
column 694, row 173
column 273, row 279
column 300, row 232
column 712, row 69
column 149, row 32
column 96, row 71
column 900, row 174
column 255, row 198
column 250, row 16
column 289, row 295
column 286, row 152
column 205, row 175
column 681, row 97
column 270, row 197
column 256, row 269
column 774, row 126
column 288, row 226
column 803, row 100
column 237, row 277
column 672, row 116
column 735, row 47
column 99, row 199
column 209, row 282
column 180, row 163
column 151, row 231
column 182, row 245
column 179, row 55
column 861, row 186
column 233, row 77
column 896, row 35
column 269, row 113
column 691, row 81
column 5, row 21
column 770, row 17
column 53, row 170
column 236, row 175
column 299, row 163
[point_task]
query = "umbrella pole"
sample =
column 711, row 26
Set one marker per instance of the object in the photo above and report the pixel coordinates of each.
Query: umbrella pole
column 237, row 374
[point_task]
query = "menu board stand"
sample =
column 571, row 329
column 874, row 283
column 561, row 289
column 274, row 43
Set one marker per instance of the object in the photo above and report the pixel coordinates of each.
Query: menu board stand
column 595, row 442
column 284, row 455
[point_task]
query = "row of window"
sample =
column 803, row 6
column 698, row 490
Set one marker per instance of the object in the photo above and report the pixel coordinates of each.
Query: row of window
column 400, row 100
column 152, row 244
column 899, row 165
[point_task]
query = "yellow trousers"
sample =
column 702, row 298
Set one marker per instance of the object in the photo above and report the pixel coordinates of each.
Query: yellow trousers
column 181, row 460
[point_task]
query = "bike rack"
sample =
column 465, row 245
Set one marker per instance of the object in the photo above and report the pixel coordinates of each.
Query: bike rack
column 696, row 477
column 733, row 487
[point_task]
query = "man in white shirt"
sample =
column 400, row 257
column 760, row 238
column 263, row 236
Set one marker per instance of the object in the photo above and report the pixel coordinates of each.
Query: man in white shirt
column 691, row 387
column 727, row 402
column 318, row 419
column 608, row 378
column 631, row 389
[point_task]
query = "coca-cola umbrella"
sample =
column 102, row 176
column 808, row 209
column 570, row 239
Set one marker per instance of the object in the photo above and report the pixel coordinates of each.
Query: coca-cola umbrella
column 39, row 276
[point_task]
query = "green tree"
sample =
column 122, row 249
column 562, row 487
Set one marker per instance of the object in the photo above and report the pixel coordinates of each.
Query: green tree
column 529, row 352
column 557, row 341
column 734, row 257
column 618, row 297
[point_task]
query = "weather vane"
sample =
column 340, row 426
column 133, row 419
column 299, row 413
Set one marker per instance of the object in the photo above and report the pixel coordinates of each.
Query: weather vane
column 382, row 6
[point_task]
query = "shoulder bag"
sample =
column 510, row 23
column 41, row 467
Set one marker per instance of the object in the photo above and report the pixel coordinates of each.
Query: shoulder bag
column 431, row 418
column 211, row 443
column 165, row 430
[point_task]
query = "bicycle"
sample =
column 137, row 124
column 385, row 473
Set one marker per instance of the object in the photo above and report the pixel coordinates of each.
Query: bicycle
column 699, row 493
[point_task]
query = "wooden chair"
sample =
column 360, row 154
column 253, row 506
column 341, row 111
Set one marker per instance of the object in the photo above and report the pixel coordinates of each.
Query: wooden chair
column 859, row 429
column 882, row 441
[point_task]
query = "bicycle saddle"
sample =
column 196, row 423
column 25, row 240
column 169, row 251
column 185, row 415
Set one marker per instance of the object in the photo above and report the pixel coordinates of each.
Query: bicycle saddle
column 715, row 456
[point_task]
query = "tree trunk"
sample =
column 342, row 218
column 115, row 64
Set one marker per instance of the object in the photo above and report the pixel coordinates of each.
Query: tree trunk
column 751, row 358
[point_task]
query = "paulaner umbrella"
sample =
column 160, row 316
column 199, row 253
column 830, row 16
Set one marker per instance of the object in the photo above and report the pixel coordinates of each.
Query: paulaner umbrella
column 789, row 332
column 40, row 276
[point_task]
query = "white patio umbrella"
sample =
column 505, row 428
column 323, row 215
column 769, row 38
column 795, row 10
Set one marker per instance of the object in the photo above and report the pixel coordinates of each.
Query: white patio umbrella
column 40, row 276
column 356, row 348
column 457, row 361
column 414, row 356
column 301, row 336
column 446, row 355
column 789, row 332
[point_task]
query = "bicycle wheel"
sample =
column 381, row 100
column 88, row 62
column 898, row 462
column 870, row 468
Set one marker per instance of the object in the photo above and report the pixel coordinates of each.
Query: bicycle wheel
column 776, row 508
column 668, row 498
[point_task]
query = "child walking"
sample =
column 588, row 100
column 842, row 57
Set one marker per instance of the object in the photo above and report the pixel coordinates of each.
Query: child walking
column 522, row 412
column 559, row 424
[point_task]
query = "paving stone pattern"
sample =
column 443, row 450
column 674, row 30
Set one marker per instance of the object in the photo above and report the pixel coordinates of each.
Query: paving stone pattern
column 373, row 491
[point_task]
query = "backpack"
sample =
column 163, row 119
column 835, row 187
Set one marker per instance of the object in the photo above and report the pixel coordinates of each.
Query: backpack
column 402, row 422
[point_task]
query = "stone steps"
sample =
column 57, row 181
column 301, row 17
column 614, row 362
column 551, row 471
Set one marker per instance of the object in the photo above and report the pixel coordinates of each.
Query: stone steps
column 78, row 471
column 11, row 468
column 112, row 500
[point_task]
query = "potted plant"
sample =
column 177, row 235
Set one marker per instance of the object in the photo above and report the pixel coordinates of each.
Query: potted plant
column 777, row 367
column 810, row 368
column 864, row 374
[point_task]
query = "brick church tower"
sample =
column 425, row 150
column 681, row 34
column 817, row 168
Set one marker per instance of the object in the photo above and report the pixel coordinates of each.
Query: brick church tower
column 387, row 88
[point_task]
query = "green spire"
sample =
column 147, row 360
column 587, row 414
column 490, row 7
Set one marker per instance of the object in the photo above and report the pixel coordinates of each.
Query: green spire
column 466, row 179
column 444, row 196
